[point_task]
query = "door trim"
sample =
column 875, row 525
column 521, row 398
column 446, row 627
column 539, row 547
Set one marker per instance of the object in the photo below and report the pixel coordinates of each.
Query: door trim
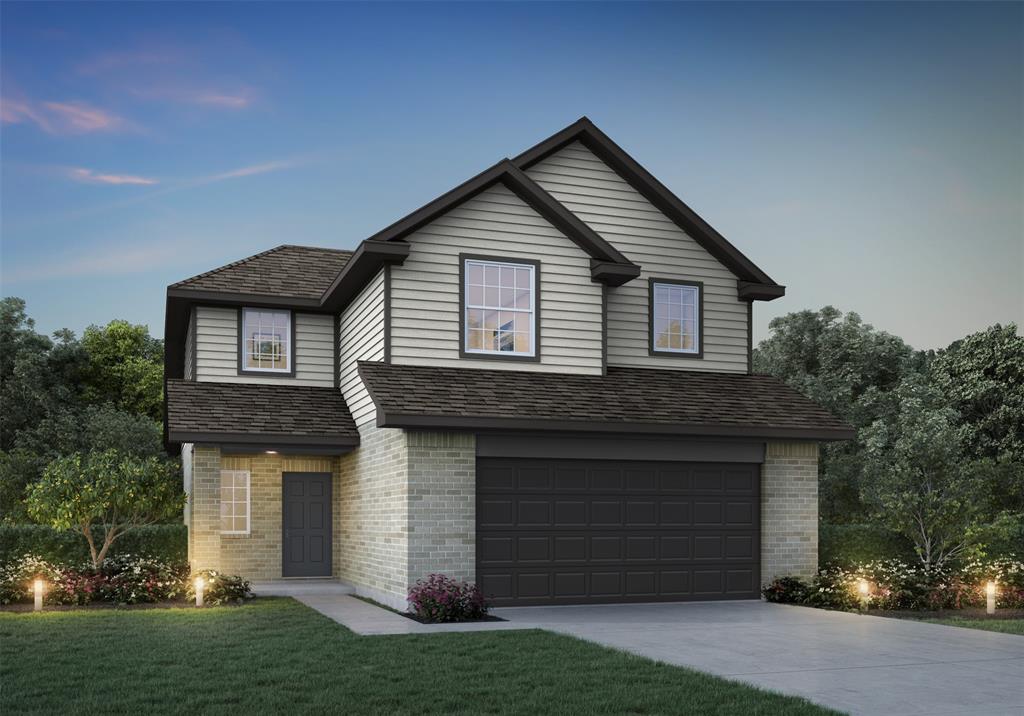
column 330, row 525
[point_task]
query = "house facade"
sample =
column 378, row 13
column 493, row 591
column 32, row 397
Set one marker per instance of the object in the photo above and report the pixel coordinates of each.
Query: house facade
column 540, row 382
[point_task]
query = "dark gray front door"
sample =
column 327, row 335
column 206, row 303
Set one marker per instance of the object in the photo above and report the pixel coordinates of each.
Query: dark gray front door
column 306, row 520
column 597, row 531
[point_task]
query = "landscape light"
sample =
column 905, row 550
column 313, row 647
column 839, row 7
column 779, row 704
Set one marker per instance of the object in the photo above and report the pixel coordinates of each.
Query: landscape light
column 37, row 587
column 863, row 587
column 990, row 598
column 199, row 591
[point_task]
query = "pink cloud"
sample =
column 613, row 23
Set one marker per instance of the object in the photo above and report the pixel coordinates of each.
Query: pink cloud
column 204, row 97
column 88, row 176
column 60, row 117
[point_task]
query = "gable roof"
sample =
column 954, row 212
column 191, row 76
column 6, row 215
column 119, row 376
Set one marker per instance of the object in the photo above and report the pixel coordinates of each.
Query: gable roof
column 288, row 270
column 637, row 400
column 755, row 283
column 615, row 270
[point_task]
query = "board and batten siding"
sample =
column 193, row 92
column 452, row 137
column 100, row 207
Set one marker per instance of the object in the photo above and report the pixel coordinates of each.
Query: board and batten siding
column 425, row 289
column 217, row 349
column 361, row 338
column 620, row 214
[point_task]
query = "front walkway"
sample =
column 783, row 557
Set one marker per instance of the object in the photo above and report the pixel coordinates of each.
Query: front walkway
column 857, row 664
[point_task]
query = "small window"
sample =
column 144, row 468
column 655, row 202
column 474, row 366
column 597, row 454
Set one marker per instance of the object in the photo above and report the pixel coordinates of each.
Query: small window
column 675, row 317
column 500, row 305
column 266, row 341
column 234, row 502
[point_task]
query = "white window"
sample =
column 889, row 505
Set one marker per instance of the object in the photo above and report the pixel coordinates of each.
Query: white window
column 500, row 303
column 234, row 502
column 266, row 341
column 675, row 320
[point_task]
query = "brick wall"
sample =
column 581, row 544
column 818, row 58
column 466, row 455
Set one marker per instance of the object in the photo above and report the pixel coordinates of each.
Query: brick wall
column 442, row 504
column 256, row 555
column 789, row 511
column 371, row 522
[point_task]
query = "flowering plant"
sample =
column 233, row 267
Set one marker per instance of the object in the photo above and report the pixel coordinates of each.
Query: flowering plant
column 441, row 599
column 219, row 588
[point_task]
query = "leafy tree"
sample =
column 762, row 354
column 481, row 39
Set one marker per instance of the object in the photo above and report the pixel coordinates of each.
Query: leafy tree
column 850, row 368
column 110, row 490
column 125, row 368
column 918, row 479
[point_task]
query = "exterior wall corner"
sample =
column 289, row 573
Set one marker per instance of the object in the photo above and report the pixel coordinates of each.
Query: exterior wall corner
column 789, row 511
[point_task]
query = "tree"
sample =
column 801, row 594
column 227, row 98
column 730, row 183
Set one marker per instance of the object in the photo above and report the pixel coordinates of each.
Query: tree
column 110, row 489
column 125, row 368
column 850, row 368
column 918, row 479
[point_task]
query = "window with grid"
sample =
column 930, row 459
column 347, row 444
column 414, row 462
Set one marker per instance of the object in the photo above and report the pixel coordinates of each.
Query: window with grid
column 676, row 319
column 266, row 340
column 234, row 502
column 500, row 300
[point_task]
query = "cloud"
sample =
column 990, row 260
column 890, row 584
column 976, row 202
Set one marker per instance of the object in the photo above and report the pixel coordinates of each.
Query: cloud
column 203, row 97
column 252, row 170
column 109, row 61
column 60, row 117
column 88, row 176
column 100, row 261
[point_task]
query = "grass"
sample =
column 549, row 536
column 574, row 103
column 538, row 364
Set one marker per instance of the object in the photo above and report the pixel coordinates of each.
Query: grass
column 1006, row 626
column 277, row 656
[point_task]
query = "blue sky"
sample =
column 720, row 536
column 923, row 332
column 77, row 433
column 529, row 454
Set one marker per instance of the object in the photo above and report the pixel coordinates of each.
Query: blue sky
column 869, row 156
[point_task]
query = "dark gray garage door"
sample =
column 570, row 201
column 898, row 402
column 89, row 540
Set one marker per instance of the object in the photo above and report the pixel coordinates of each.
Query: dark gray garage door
column 572, row 531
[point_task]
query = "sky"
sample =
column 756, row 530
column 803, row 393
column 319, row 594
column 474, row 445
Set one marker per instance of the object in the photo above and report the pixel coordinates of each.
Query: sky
column 868, row 156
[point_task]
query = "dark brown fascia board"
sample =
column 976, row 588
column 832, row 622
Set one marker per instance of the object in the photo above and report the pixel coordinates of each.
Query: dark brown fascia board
column 189, row 436
column 255, row 300
column 438, row 422
column 751, row 291
column 507, row 173
column 586, row 132
column 612, row 274
column 369, row 258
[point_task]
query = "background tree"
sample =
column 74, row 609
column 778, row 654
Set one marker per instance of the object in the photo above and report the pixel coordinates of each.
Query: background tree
column 920, row 481
column 109, row 489
column 850, row 368
column 125, row 368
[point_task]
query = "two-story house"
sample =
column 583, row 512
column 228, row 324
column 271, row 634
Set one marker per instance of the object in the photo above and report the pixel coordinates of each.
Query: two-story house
column 540, row 381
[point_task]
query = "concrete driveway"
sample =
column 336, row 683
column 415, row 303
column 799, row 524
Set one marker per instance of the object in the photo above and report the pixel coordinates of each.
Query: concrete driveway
column 853, row 663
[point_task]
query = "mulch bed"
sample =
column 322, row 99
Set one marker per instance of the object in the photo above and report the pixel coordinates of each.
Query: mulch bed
column 969, row 613
column 485, row 618
column 100, row 606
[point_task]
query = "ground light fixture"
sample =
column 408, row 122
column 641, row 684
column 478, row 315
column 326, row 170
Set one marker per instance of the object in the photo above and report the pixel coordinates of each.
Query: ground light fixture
column 200, row 585
column 37, row 588
column 990, row 598
column 864, row 588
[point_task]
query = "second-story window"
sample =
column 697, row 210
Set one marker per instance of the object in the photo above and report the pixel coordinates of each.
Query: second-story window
column 675, row 317
column 500, row 305
column 266, row 341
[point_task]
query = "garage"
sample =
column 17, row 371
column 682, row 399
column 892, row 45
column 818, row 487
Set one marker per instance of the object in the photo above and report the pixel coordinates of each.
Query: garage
column 575, row 531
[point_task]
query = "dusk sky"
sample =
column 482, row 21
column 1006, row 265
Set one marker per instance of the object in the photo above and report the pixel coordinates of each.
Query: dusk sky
column 868, row 156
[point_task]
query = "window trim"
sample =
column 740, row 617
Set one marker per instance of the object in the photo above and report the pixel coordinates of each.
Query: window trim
column 266, row 372
column 472, row 355
column 651, row 350
column 248, row 502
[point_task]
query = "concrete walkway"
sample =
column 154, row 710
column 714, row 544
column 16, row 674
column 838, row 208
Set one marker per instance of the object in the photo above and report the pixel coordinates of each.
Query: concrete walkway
column 853, row 663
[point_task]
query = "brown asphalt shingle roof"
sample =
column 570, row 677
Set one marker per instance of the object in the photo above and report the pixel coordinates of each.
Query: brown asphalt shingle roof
column 687, row 402
column 304, row 414
column 287, row 271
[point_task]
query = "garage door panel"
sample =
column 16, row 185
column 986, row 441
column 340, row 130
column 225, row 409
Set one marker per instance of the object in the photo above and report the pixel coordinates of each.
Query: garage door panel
column 573, row 531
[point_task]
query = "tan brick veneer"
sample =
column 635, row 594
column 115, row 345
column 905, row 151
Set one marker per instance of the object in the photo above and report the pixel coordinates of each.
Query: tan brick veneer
column 789, row 511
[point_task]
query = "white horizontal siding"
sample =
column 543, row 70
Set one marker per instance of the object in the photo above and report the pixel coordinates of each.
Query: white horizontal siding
column 217, row 349
column 425, row 289
column 362, row 338
column 610, row 206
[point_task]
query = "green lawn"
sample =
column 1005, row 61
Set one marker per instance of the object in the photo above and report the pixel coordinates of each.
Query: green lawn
column 275, row 655
column 1006, row 626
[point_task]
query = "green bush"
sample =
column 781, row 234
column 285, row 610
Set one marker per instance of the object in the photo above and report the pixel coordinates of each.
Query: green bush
column 219, row 588
column 858, row 543
column 168, row 543
column 786, row 590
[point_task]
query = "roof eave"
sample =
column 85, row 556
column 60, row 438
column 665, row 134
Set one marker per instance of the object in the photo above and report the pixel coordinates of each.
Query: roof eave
column 432, row 421
column 751, row 291
column 371, row 256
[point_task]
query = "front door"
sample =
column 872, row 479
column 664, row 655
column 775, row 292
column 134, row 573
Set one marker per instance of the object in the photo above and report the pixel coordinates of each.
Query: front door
column 306, row 521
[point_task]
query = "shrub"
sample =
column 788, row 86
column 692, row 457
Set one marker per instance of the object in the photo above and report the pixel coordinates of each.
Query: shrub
column 130, row 580
column 17, row 577
column 859, row 543
column 220, row 588
column 786, row 590
column 168, row 543
column 441, row 599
